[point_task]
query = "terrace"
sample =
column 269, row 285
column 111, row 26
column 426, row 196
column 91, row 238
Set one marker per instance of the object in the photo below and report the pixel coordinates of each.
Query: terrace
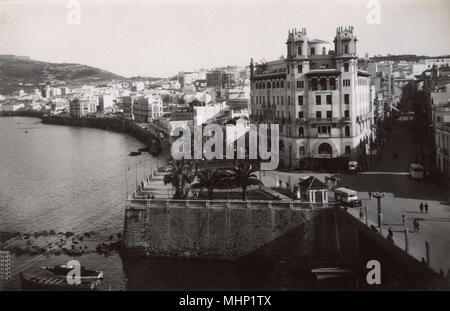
column 153, row 192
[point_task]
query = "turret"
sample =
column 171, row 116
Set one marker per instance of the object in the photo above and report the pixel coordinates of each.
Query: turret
column 345, row 42
column 297, row 43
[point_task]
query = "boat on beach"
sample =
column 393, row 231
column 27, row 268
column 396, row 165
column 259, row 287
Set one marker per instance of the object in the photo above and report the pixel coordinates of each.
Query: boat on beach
column 53, row 282
column 85, row 274
column 331, row 273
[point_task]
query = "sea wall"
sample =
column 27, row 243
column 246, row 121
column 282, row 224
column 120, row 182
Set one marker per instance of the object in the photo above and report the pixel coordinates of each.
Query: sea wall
column 215, row 232
column 150, row 138
column 316, row 235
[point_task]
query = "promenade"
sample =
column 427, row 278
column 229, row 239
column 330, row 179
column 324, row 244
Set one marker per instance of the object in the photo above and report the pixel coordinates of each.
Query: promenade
column 403, row 196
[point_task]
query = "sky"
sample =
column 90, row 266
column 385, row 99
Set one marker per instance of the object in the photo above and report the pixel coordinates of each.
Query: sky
column 159, row 38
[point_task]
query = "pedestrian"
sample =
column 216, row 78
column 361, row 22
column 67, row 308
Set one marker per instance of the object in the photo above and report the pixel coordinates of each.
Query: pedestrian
column 390, row 234
column 361, row 213
column 417, row 225
column 421, row 207
column 426, row 207
column 370, row 195
column 404, row 219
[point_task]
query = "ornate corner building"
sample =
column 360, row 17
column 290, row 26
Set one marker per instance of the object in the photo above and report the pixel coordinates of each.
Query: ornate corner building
column 318, row 97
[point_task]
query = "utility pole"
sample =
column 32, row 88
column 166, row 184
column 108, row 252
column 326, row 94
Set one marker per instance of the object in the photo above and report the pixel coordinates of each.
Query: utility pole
column 378, row 196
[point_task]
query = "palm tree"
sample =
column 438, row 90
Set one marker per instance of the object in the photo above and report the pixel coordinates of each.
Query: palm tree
column 180, row 174
column 210, row 179
column 243, row 176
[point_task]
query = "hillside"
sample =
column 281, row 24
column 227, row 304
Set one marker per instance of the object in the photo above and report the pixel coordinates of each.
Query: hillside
column 18, row 73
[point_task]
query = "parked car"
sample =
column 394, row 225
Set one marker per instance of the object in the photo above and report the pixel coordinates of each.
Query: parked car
column 353, row 167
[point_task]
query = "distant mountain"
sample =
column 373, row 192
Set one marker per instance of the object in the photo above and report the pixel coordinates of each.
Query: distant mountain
column 140, row 78
column 403, row 57
column 24, row 73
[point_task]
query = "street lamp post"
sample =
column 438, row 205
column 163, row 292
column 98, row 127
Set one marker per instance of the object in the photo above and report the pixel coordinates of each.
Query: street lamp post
column 378, row 196
column 406, row 241
column 136, row 175
column 367, row 214
column 126, row 178
column 427, row 249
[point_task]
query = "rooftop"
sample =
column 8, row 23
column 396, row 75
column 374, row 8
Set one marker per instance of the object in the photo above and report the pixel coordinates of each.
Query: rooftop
column 318, row 41
column 312, row 183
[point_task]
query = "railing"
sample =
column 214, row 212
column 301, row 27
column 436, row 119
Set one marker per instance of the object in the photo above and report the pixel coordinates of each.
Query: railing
column 324, row 120
column 140, row 203
column 323, row 134
column 346, row 119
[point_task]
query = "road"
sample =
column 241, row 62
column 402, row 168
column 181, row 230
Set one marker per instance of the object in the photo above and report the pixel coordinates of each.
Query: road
column 402, row 196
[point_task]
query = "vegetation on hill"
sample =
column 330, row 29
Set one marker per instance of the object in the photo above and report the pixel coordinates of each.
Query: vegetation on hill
column 16, row 74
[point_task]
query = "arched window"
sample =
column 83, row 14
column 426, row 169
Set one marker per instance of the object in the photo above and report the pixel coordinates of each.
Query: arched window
column 313, row 51
column 346, row 48
column 281, row 145
column 323, row 84
column 314, row 84
column 282, row 83
column 278, row 84
column 273, row 84
column 325, row 149
column 256, row 85
column 324, row 51
column 300, row 131
column 268, row 85
column 332, row 84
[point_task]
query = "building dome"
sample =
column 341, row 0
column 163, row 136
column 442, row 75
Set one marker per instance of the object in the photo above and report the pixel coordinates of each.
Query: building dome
column 319, row 47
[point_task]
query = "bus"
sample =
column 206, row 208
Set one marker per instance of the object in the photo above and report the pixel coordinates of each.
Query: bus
column 347, row 197
column 416, row 171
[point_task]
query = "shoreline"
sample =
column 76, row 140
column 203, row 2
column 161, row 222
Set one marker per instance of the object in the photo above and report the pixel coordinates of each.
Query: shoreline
column 151, row 141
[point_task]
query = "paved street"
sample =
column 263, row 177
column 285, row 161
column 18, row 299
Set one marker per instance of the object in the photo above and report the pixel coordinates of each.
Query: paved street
column 402, row 196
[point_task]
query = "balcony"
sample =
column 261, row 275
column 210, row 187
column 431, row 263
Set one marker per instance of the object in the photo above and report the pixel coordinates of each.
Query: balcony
column 323, row 135
column 299, row 121
column 323, row 120
column 346, row 119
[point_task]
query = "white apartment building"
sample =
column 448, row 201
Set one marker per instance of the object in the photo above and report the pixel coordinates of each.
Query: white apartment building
column 146, row 109
column 438, row 61
column 441, row 125
column 81, row 107
column 105, row 101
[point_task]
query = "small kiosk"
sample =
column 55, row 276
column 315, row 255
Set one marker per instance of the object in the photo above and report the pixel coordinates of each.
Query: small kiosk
column 313, row 190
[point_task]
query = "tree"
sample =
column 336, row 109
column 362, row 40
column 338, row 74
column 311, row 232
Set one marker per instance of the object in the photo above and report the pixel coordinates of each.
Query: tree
column 181, row 173
column 210, row 180
column 243, row 176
